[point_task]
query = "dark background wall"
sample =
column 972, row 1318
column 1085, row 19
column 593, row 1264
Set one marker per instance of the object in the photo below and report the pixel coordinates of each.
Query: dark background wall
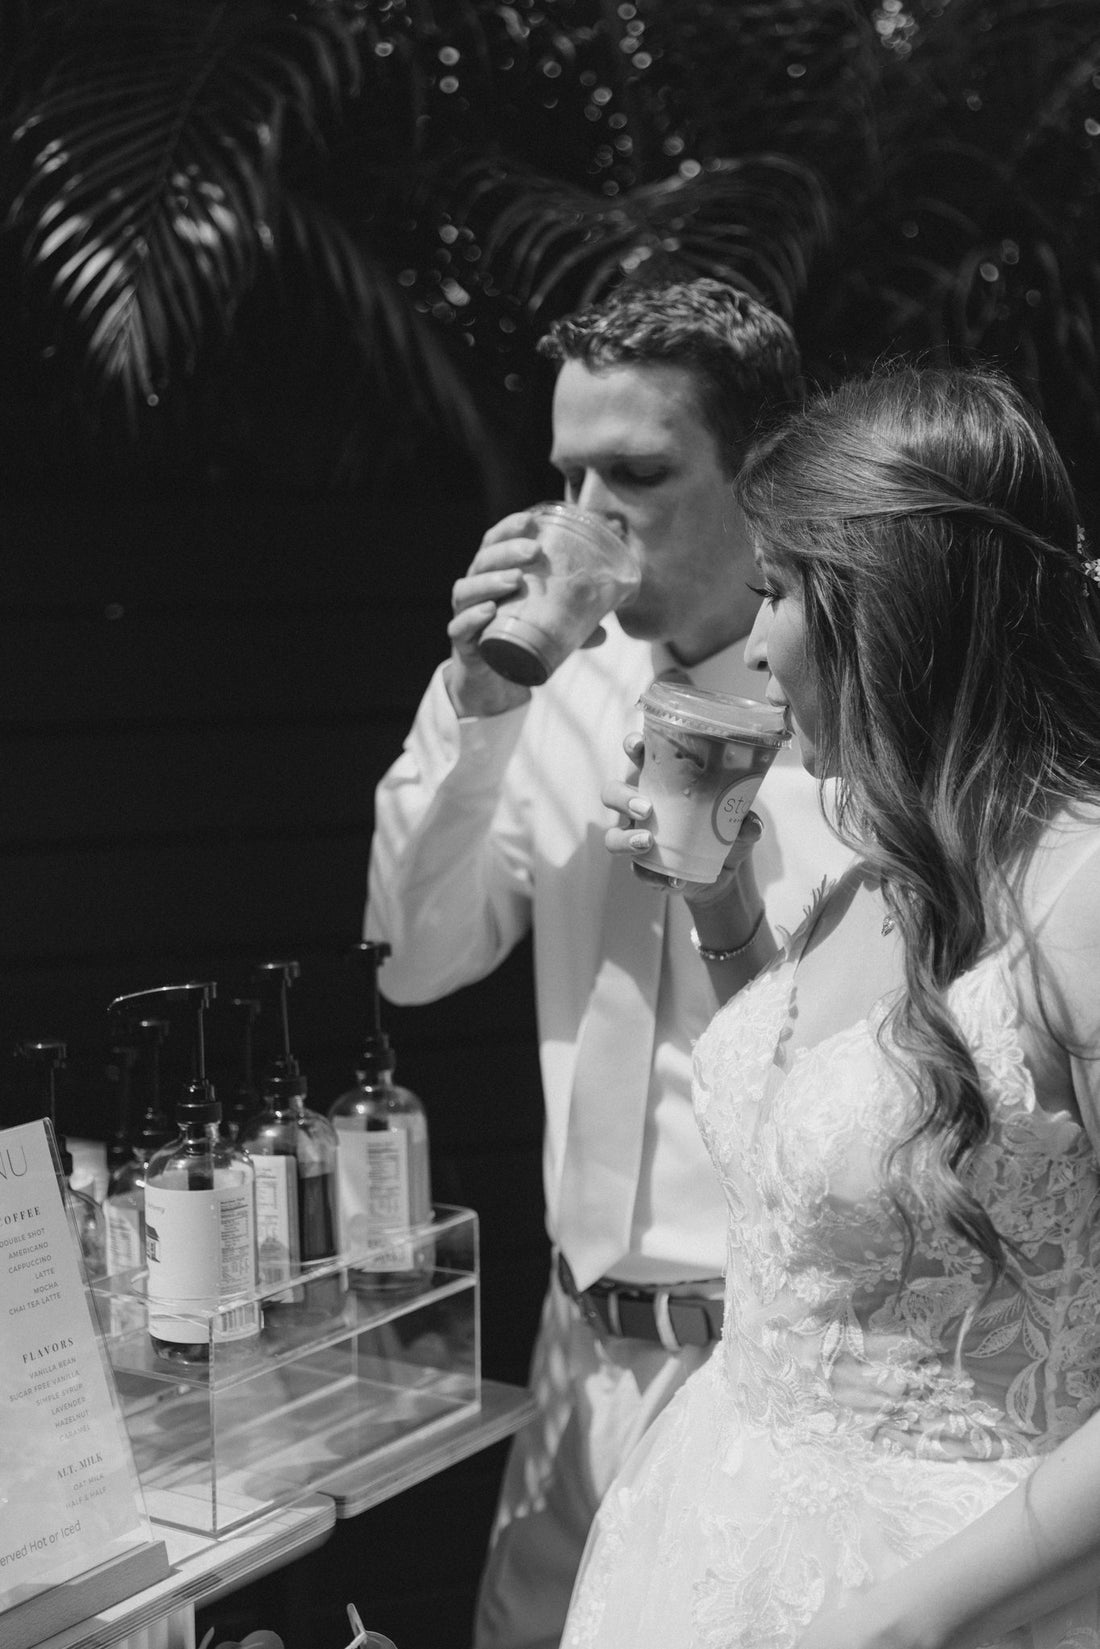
column 198, row 694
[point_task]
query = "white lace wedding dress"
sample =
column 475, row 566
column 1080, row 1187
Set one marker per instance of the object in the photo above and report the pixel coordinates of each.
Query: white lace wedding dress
column 841, row 1429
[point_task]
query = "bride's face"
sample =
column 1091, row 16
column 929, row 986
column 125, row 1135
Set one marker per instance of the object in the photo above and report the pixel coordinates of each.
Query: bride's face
column 777, row 643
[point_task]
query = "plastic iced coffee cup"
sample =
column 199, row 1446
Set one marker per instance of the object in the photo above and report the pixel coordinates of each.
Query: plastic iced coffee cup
column 583, row 572
column 706, row 755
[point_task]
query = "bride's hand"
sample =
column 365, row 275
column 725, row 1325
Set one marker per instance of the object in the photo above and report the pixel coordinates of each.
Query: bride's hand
column 700, row 895
column 632, row 834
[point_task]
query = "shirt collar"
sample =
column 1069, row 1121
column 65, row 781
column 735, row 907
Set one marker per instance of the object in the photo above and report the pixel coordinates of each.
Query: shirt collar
column 723, row 672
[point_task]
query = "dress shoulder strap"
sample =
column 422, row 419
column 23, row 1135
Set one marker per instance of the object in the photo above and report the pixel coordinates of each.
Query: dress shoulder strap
column 793, row 943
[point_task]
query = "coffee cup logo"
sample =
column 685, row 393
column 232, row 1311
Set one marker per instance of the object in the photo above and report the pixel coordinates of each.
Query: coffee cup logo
column 731, row 807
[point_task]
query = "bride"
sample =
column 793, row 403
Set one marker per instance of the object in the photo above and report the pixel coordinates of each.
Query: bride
column 897, row 1442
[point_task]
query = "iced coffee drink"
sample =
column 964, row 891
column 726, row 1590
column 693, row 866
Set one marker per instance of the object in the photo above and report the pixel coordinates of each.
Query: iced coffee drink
column 705, row 757
column 584, row 571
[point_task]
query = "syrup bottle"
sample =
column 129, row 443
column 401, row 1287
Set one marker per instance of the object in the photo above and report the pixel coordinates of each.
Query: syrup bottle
column 293, row 1151
column 200, row 1216
column 85, row 1214
column 384, row 1176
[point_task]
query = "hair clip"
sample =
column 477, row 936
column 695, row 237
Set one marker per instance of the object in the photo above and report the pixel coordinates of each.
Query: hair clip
column 1090, row 565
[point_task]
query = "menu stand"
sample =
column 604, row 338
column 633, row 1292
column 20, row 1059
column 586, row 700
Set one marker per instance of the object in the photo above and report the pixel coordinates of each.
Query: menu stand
column 204, row 1568
column 26, row 1624
column 241, row 1467
column 75, row 1536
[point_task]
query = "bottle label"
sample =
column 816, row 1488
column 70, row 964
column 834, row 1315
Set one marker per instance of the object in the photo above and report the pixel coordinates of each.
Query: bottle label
column 122, row 1221
column 277, row 1223
column 122, row 1218
column 373, row 1170
column 200, row 1249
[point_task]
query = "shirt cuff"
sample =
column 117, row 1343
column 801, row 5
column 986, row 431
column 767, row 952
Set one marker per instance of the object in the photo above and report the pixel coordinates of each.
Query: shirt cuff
column 472, row 749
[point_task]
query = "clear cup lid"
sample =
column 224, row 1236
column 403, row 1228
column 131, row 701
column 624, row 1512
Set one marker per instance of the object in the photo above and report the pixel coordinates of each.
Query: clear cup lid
column 597, row 527
column 719, row 715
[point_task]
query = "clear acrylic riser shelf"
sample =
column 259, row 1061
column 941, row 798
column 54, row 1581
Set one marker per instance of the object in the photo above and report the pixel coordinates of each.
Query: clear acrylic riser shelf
column 349, row 1364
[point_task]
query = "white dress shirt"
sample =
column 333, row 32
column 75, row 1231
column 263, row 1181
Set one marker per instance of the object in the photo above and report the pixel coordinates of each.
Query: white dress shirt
column 485, row 826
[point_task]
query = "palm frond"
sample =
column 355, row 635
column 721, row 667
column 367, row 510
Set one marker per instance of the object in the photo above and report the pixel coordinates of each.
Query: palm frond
column 797, row 77
column 757, row 221
column 975, row 235
column 402, row 357
column 145, row 171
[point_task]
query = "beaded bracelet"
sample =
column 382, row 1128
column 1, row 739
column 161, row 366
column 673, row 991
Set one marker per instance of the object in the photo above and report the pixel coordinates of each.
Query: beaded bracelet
column 710, row 955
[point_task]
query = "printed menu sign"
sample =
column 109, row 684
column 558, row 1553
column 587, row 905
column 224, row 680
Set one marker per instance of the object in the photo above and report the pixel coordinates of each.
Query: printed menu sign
column 69, row 1494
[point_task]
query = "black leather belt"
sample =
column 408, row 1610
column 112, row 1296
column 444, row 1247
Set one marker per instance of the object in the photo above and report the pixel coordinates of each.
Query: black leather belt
column 664, row 1316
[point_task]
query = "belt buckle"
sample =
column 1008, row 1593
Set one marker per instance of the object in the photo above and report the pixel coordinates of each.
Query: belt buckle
column 592, row 1316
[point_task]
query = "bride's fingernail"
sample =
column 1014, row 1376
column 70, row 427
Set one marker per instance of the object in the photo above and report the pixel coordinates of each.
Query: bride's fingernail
column 641, row 838
column 638, row 807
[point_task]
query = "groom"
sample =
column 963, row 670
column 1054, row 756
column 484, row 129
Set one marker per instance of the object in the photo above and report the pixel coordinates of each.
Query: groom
column 490, row 822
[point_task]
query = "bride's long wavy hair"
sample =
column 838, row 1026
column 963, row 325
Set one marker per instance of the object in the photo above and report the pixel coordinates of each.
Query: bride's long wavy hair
column 955, row 635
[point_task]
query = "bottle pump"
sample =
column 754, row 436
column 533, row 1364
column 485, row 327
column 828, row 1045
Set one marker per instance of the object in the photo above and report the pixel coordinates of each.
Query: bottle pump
column 200, row 1214
column 245, row 1102
column 293, row 1151
column 125, row 1205
column 384, row 1177
column 119, row 1074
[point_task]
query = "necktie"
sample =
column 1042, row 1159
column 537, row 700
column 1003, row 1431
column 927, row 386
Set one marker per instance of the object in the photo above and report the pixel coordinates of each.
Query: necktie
column 607, row 1111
